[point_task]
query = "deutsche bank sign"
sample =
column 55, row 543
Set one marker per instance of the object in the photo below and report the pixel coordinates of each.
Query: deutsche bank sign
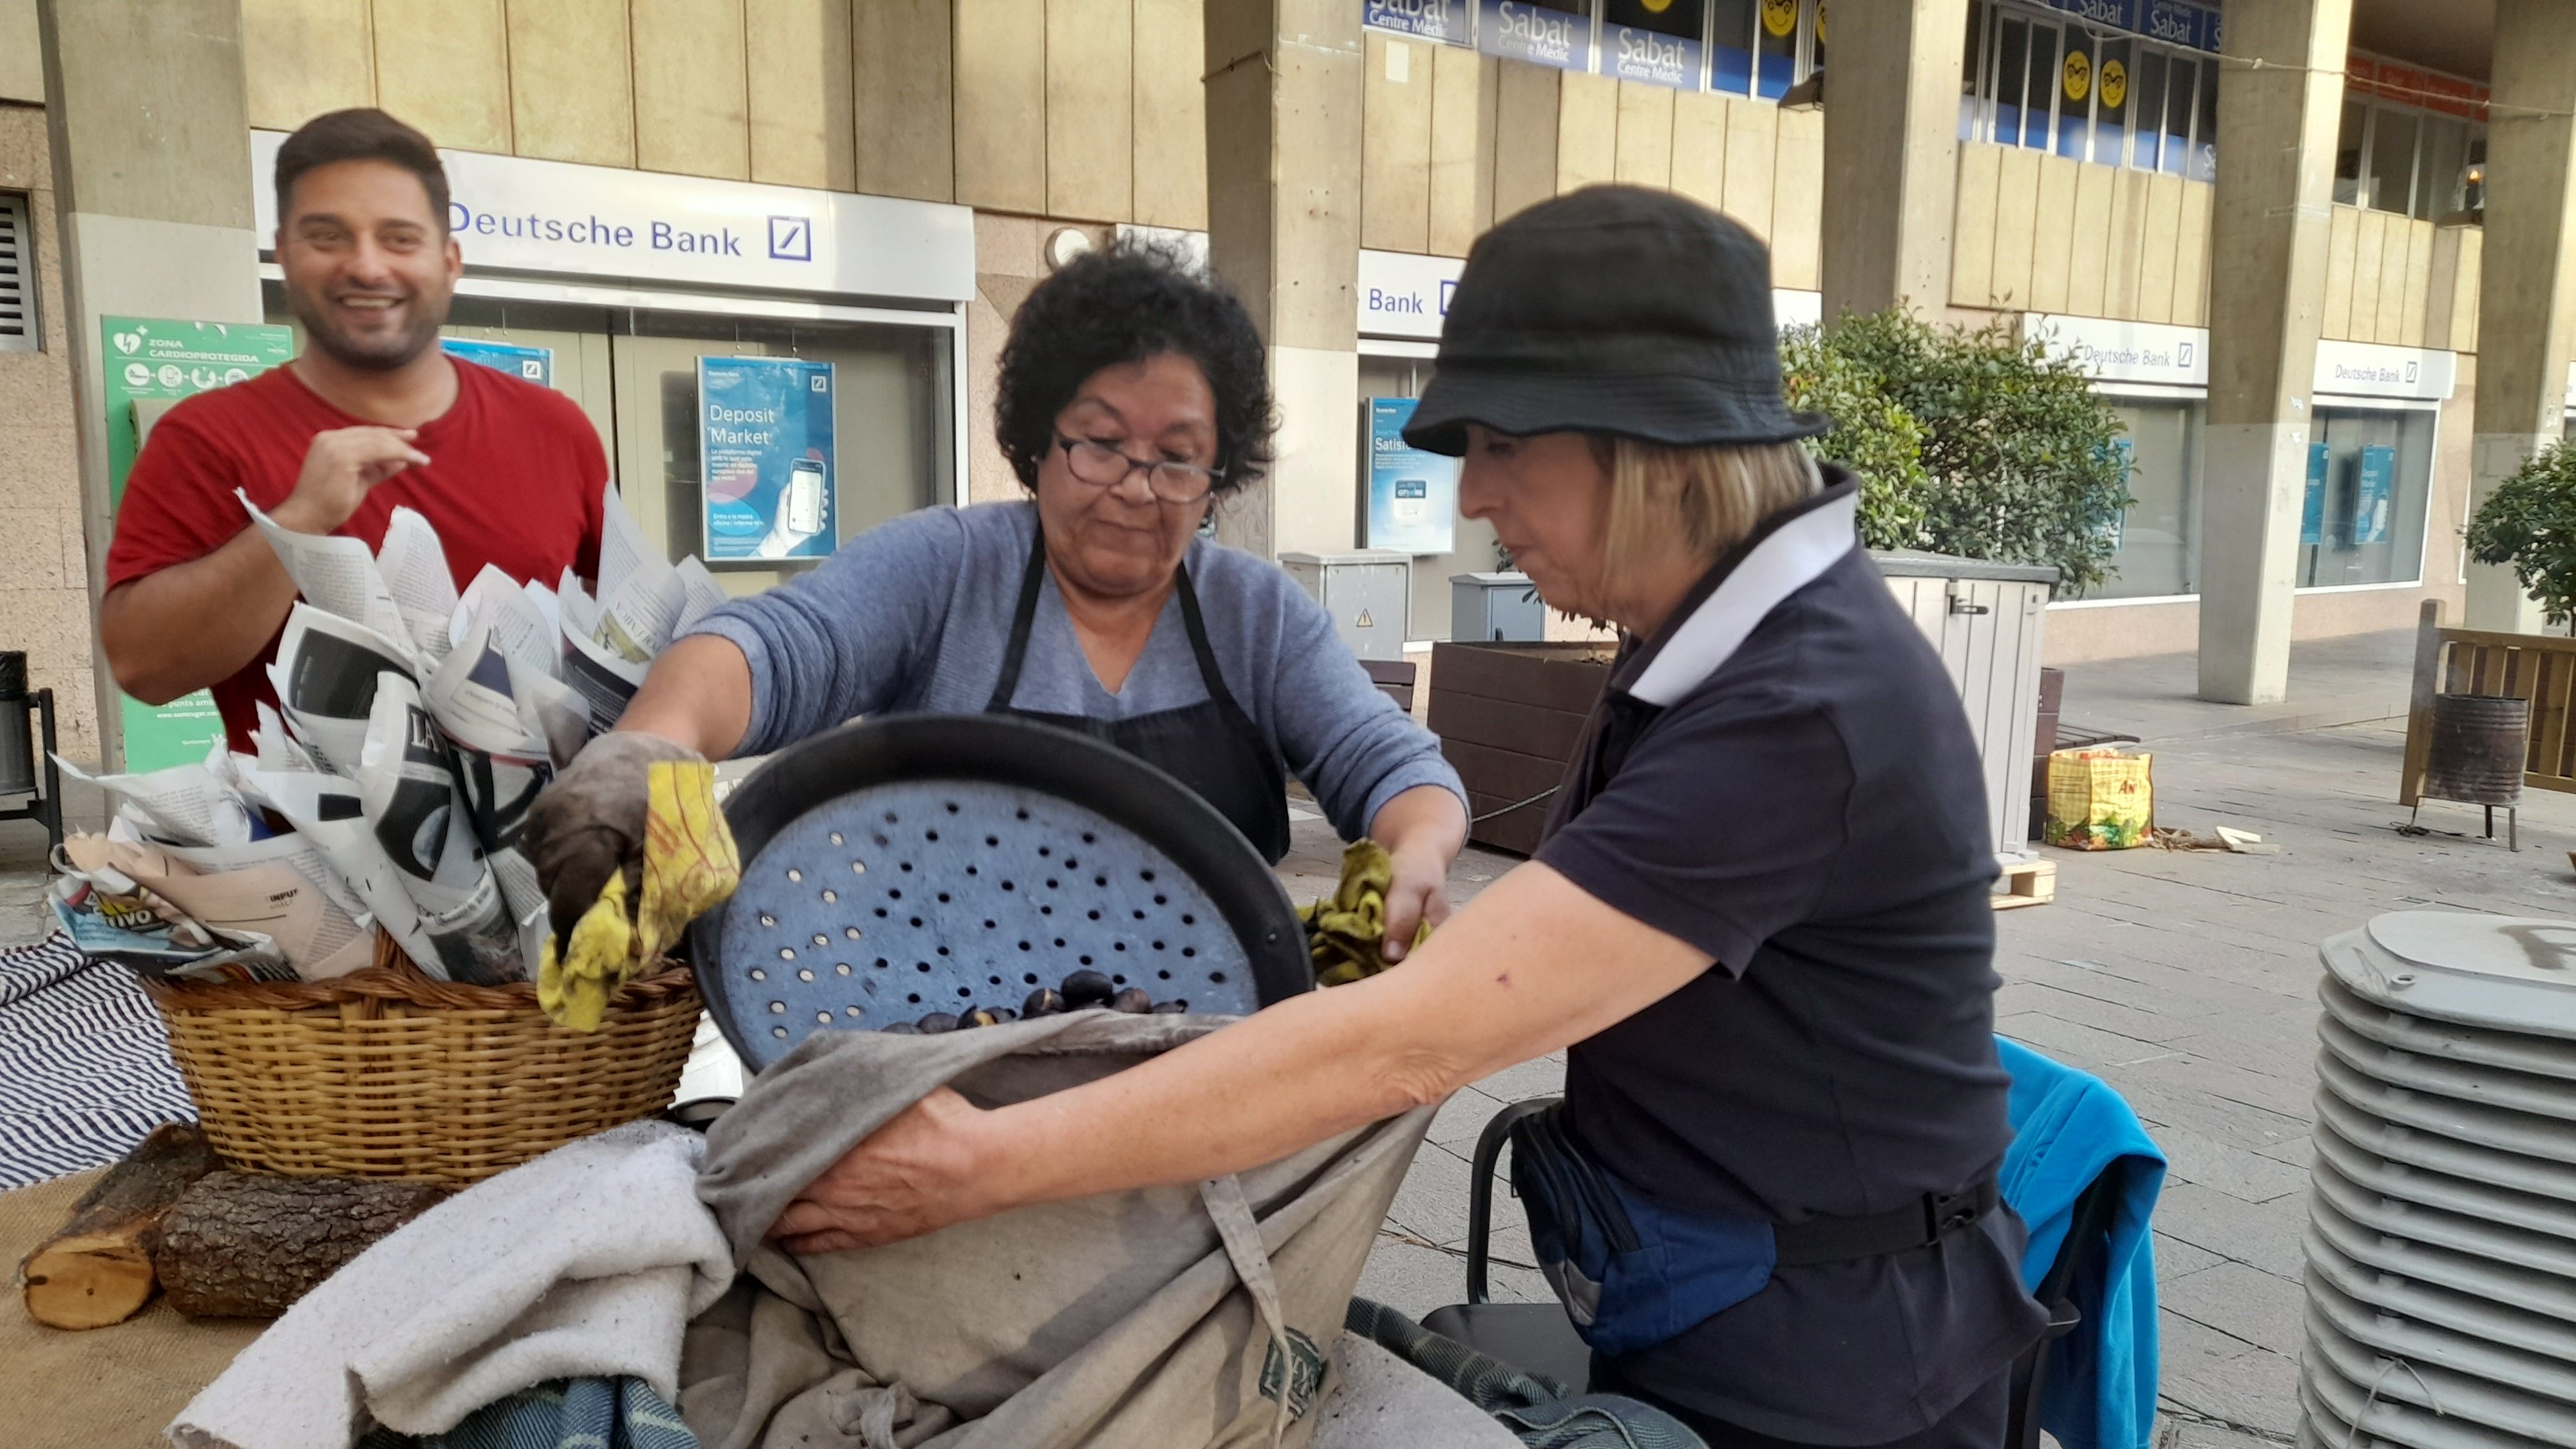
column 516, row 215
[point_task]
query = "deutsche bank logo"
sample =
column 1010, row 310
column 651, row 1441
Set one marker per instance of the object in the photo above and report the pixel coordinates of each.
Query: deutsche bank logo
column 2411, row 372
column 791, row 239
column 2182, row 354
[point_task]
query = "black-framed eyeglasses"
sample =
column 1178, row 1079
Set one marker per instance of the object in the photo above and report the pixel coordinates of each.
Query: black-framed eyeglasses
column 1103, row 466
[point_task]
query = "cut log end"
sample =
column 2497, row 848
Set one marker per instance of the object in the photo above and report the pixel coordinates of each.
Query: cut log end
column 97, row 1269
column 87, row 1282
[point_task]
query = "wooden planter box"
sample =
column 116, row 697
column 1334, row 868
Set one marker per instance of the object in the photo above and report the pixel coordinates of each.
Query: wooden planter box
column 1509, row 717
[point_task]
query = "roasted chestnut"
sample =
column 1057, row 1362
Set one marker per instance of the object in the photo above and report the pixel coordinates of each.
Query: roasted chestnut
column 1133, row 999
column 1042, row 1002
column 1087, row 988
column 937, row 1021
column 1170, row 1008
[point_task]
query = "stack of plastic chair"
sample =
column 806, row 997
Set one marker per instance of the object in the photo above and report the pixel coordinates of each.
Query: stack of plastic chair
column 2441, row 1245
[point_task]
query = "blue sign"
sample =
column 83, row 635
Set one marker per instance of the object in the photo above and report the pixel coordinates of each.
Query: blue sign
column 2119, row 14
column 1413, row 495
column 1445, row 21
column 529, row 364
column 2175, row 22
column 2312, row 503
column 1645, row 55
column 765, row 445
column 1520, row 30
column 2378, row 493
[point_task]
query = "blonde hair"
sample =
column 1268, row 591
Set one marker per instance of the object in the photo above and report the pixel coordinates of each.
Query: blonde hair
column 1707, row 499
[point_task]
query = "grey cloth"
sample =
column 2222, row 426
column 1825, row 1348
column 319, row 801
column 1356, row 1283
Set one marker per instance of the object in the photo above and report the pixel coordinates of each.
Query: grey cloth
column 587, row 1262
column 1383, row 1402
column 914, row 616
column 1533, row 1410
column 1173, row 1316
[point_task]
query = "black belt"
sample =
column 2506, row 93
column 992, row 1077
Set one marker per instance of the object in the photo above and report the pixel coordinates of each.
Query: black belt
column 1918, row 1224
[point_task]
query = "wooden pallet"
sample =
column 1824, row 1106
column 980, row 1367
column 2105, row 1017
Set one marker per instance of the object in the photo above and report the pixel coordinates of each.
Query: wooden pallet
column 2026, row 883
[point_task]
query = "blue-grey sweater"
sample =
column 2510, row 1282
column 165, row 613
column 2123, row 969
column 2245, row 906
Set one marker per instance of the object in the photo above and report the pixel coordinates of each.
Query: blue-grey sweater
column 915, row 614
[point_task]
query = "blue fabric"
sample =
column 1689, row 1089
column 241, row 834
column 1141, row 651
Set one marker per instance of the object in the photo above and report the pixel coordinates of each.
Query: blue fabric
column 2067, row 1127
column 1632, row 1273
column 620, row 1413
column 914, row 616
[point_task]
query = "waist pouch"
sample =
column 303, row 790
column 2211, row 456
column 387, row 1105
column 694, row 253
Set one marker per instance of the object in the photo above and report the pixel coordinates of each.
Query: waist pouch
column 1633, row 1273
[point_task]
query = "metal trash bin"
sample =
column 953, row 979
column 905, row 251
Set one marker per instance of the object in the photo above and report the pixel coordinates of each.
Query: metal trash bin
column 2441, row 1244
column 2476, row 757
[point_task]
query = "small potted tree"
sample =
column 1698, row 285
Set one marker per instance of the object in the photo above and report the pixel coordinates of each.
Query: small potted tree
column 2529, row 523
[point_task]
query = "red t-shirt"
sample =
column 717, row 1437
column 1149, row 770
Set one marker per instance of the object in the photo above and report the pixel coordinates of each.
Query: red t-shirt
column 514, row 478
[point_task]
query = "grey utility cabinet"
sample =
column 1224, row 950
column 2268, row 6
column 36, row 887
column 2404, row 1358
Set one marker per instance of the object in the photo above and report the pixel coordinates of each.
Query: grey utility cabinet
column 1368, row 591
column 1488, row 608
column 1986, row 619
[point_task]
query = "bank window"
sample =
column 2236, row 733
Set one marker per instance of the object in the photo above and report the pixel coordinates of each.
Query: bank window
column 2158, row 544
column 2361, row 516
column 2408, row 161
column 634, row 371
column 2044, row 82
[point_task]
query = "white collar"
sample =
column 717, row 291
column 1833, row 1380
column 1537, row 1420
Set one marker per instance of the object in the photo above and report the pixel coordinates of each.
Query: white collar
column 1793, row 555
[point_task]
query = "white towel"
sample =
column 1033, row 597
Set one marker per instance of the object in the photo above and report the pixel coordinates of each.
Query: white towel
column 588, row 1261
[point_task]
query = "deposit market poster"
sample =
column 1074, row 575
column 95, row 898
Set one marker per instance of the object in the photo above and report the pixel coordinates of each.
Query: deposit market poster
column 1413, row 495
column 765, row 441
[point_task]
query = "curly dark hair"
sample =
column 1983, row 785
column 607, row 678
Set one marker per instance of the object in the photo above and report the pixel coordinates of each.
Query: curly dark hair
column 1125, row 303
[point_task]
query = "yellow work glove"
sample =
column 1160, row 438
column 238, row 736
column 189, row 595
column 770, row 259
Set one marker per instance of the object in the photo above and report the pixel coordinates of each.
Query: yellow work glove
column 690, row 867
column 1346, row 934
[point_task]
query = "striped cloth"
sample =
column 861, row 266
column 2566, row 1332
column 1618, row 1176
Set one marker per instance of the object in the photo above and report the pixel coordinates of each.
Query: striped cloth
column 620, row 1413
column 85, row 1070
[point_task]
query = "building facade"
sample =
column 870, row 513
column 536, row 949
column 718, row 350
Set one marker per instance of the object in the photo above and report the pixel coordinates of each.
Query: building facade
column 2304, row 455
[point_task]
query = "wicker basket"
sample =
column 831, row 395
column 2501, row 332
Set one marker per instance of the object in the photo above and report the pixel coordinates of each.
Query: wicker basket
column 386, row 1073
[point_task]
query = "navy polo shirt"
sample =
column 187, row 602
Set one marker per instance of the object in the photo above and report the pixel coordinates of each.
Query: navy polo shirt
column 1784, row 777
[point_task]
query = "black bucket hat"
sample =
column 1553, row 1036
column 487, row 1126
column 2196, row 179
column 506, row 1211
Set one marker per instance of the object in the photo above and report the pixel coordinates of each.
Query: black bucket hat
column 1618, row 310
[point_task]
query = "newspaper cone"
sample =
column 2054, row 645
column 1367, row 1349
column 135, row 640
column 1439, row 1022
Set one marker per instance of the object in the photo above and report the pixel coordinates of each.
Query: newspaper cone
column 691, row 866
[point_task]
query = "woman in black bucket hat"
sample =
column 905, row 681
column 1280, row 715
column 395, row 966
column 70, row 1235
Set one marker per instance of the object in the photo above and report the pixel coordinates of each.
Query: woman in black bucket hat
column 1758, row 921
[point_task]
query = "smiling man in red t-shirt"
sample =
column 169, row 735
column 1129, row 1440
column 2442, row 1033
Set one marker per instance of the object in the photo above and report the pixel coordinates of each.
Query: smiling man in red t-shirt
column 372, row 415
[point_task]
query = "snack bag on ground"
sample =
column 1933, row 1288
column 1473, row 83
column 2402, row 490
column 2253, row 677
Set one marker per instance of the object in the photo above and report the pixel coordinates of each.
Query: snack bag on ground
column 2100, row 800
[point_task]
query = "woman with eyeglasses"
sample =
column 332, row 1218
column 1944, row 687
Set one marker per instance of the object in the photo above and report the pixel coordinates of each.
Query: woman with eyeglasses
column 1133, row 393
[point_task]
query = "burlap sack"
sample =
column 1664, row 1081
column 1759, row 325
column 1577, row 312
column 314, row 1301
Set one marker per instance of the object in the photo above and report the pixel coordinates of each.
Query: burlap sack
column 1176, row 1317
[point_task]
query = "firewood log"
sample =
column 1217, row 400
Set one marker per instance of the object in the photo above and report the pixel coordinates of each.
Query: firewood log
column 97, row 1268
column 245, row 1245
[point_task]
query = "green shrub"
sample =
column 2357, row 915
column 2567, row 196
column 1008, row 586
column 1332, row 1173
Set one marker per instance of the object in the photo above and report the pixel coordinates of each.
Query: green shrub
column 2529, row 521
column 2019, row 459
column 1873, row 436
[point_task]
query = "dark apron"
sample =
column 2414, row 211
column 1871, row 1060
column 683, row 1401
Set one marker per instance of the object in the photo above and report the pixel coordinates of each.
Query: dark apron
column 1211, row 746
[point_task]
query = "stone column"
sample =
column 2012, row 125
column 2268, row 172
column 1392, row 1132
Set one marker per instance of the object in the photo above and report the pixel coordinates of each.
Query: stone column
column 2280, row 95
column 1284, row 80
column 1891, row 153
column 151, row 146
column 2527, row 286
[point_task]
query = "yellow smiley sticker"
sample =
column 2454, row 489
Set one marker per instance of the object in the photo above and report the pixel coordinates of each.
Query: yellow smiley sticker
column 1656, row 7
column 2079, row 75
column 2114, row 80
column 1780, row 17
column 1820, row 22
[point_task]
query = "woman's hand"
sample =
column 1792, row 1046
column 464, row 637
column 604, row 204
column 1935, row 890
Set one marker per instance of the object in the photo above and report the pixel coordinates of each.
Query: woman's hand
column 1423, row 830
column 1418, row 893
column 914, row 1175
